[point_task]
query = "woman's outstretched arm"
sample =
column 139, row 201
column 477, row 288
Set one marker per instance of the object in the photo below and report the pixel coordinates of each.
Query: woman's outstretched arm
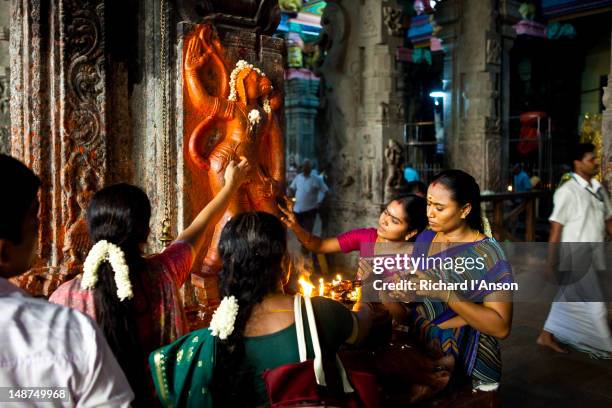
column 194, row 233
column 310, row 241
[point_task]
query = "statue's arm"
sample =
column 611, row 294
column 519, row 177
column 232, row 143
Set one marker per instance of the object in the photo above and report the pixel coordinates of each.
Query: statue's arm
column 206, row 104
column 199, row 53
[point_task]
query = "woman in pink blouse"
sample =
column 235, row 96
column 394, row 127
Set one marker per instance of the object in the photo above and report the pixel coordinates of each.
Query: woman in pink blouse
column 401, row 220
column 140, row 310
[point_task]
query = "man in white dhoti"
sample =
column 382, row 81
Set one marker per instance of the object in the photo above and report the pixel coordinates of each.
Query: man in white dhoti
column 582, row 213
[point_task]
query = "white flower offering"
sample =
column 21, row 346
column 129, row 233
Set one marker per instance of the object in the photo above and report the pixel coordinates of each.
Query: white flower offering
column 254, row 117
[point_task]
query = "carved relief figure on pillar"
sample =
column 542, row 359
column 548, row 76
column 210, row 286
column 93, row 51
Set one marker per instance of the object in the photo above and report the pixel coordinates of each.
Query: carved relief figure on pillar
column 238, row 122
column 395, row 181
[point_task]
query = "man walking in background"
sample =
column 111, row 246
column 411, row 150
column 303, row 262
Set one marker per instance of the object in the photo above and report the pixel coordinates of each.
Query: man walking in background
column 309, row 191
column 582, row 213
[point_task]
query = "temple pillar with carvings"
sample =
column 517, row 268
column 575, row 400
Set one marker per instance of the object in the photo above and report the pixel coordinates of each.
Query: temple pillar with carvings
column 361, row 108
column 59, row 122
column 472, row 75
column 606, row 134
column 301, row 104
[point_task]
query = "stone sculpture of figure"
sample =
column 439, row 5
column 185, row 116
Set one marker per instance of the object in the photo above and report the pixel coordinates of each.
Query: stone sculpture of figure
column 395, row 178
column 243, row 115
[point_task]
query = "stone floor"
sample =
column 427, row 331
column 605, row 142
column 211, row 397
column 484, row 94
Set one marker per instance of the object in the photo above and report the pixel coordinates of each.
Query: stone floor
column 538, row 377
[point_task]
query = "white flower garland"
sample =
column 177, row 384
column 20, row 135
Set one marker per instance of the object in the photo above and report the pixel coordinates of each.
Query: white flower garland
column 107, row 251
column 254, row 117
column 242, row 65
column 222, row 322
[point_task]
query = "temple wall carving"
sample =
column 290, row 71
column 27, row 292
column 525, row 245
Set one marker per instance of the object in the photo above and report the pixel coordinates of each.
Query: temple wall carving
column 86, row 106
column 59, row 118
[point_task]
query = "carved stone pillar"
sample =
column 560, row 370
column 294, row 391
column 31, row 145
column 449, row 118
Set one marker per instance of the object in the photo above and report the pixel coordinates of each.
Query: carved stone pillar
column 474, row 85
column 606, row 134
column 362, row 108
column 301, row 103
column 509, row 14
column 59, row 117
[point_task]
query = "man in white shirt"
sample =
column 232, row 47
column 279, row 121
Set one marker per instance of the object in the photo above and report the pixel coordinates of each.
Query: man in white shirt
column 582, row 213
column 309, row 190
column 56, row 349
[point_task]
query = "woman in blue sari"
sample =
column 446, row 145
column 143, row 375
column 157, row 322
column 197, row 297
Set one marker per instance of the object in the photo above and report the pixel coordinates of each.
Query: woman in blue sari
column 468, row 321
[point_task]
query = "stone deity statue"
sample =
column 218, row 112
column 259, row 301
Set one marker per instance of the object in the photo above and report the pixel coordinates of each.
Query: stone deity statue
column 239, row 108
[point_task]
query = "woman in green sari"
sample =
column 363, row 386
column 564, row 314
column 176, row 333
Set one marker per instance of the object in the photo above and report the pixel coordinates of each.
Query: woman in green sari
column 254, row 327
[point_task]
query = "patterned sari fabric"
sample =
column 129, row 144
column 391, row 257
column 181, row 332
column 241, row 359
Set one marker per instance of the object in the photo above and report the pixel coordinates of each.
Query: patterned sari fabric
column 182, row 371
column 160, row 317
column 477, row 354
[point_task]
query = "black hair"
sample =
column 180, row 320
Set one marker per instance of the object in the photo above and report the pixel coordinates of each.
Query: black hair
column 415, row 187
column 464, row 190
column 120, row 214
column 21, row 185
column 415, row 209
column 581, row 150
column 252, row 246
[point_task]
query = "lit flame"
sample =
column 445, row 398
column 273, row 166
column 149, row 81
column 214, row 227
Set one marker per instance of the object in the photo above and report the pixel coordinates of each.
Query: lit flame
column 510, row 188
column 306, row 286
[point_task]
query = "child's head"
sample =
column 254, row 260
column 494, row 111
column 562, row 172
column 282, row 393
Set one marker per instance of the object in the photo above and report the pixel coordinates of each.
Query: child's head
column 18, row 217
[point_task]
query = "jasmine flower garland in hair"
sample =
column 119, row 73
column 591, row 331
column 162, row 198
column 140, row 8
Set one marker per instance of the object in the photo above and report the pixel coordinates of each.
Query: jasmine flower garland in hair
column 107, row 251
column 96, row 255
column 116, row 258
column 222, row 322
